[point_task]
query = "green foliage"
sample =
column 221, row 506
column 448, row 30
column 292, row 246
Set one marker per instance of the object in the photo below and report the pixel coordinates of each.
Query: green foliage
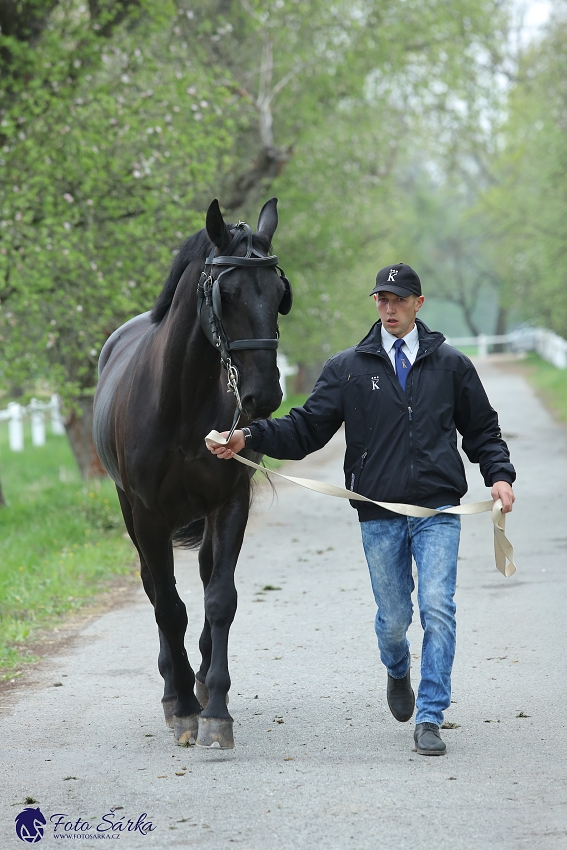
column 527, row 204
column 345, row 193
column 59, row 542
column 100, row 176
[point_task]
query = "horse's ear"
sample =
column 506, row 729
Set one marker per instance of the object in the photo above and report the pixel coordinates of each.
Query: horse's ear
column 268, row 218
column 216, row 228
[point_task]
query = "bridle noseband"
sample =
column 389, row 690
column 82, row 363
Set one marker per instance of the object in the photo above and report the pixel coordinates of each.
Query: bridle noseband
column 209, row 305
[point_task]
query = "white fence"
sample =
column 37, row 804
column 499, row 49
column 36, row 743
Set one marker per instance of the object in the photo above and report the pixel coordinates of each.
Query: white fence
column 36, row 410
column 548, row 345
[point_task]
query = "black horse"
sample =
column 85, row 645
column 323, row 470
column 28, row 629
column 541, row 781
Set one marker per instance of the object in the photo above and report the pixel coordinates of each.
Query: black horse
column 162, row 387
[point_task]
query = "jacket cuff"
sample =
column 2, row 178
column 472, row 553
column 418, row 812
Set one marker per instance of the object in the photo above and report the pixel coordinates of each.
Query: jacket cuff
column 257, row 435
column 503, row 476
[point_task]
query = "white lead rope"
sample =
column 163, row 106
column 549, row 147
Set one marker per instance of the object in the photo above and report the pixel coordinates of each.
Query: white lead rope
column 503, row 549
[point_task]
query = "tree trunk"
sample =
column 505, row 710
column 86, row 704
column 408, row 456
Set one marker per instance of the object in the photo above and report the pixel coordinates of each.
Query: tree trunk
column 2, row 500
column 306, row 377
column 79, row 431
column 265, row 168
column 500, row 329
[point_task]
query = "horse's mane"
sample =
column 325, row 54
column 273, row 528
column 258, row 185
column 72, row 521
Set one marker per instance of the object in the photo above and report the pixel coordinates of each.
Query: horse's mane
column 195, row 248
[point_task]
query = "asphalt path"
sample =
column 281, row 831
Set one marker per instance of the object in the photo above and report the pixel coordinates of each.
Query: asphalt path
column 319, row 762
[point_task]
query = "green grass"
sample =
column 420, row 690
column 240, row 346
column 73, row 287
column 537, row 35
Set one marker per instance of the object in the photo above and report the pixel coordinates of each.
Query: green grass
column 550, row 382
column 60, row 541
column 291, row 401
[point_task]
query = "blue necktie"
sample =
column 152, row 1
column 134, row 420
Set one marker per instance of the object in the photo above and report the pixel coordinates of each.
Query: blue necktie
column 402, row 364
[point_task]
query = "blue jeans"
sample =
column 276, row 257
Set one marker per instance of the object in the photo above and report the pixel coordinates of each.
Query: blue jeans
column 434, row 543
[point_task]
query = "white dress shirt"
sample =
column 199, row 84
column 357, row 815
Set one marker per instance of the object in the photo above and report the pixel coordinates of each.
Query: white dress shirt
column 409, row 348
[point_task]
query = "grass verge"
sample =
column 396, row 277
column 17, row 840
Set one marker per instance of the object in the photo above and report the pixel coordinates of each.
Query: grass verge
column 60, row 541
column 550, row 384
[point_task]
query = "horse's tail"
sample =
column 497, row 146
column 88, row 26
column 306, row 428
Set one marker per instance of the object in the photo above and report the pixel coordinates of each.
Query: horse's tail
column 190, row 536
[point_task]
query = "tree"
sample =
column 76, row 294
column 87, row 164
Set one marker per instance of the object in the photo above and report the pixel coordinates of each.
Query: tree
column 99, row 187
column 527, row 205
column 351, row 90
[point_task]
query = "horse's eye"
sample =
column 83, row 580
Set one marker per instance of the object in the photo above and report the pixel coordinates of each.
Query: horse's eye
column 226, row 298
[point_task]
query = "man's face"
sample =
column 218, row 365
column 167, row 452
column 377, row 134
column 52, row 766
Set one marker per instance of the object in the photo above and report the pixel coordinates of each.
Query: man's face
column 397, row 313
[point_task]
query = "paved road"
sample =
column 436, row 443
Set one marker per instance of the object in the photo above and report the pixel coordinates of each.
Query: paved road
column 319, row 762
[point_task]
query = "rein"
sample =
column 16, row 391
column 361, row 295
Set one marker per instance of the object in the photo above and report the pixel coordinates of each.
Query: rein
column 209, row 306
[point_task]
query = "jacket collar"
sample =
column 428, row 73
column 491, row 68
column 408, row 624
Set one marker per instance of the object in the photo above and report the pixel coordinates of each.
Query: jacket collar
column 429, row 341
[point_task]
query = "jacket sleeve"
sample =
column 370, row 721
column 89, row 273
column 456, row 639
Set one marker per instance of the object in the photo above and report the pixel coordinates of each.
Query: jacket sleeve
column 305, row 429
column 477, row 421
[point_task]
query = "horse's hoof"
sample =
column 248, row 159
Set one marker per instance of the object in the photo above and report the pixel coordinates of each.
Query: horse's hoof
column 185, row 730
column 168, row 710
column 202, row 693
column 215, row 734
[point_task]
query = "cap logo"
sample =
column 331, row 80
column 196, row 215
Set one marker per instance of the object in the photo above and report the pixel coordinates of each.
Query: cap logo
column 392, row 276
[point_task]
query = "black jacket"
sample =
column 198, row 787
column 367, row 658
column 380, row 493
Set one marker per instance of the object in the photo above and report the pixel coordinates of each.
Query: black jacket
column 400, row 447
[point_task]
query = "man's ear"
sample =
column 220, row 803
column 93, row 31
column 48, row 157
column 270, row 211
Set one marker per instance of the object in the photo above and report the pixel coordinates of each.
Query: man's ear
column 419, row 303
column 216, row 228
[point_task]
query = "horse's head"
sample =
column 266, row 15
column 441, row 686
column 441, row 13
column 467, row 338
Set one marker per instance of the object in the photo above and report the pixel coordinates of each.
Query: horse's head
column 240, row 294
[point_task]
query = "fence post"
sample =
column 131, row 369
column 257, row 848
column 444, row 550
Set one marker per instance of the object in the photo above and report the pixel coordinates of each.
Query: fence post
column 57, row 426
column 482, row 346
column 16, row 427
column 37, row 423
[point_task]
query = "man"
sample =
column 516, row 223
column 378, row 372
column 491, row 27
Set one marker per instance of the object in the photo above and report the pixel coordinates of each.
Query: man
column 403, row 393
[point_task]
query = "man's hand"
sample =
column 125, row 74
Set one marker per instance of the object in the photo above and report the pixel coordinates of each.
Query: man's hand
column 502, row 490
column 236, row 443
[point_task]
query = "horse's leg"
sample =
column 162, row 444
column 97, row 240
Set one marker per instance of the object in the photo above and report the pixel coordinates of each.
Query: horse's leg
column 169, row 698
column 227, row 526
column 171, row 617
column 205, row 645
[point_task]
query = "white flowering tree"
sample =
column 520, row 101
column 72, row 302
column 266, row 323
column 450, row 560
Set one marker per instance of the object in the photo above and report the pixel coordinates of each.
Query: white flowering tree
column 102, row 170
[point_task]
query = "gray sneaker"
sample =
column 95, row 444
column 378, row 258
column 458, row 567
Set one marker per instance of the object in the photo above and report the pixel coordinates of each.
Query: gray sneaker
column 428, row 741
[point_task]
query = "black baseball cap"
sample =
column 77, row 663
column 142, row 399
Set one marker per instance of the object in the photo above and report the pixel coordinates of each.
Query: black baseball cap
column 399, row 279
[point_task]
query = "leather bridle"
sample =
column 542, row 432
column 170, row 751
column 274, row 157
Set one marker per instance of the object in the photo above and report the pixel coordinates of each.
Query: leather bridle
column 209, row 305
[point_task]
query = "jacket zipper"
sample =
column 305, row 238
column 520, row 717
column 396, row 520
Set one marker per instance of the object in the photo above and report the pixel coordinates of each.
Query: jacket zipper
column 410, row 421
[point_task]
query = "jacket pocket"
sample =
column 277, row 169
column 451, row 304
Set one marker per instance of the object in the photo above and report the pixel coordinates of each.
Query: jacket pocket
column 358, row 471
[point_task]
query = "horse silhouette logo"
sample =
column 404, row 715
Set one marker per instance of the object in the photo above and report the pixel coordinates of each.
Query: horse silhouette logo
column 30, row 825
